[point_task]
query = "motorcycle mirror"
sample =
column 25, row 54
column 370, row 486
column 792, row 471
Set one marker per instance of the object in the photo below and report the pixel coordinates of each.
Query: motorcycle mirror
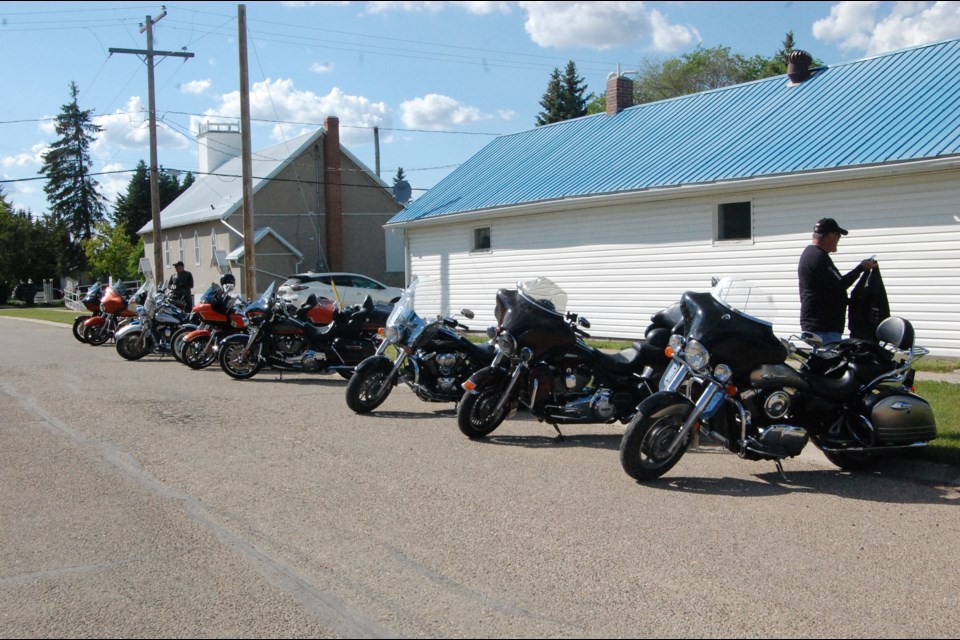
column 466, row 313
column 812, row 339
column 714, row 280
column 583, row 322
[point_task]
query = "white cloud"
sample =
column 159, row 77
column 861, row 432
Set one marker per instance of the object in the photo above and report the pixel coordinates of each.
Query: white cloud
column 35, row 157
column 435, row 112
column 321, row 67
column 603, row 25
column 129, row 128
column 195, row 86
column 113, row 184
column 426, row 6
column 280, row 100
column 856, row 25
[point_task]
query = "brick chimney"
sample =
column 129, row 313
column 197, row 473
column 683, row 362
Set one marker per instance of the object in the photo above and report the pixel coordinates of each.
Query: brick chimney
column 332, row 196
column 619, row 93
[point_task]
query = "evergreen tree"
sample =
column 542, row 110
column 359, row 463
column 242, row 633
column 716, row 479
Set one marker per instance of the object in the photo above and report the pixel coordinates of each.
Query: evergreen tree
column 564, row 98
column 29, row 248
column 132, row 210
column 400, row 177
column 72, row 192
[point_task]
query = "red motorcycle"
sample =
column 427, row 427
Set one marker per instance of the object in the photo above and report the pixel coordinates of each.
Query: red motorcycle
column 90, row 302
column 115, row 308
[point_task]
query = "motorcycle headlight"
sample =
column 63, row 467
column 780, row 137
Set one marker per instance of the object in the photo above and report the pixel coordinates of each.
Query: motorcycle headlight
column 696, row 355
column 722, row 373
column 507, row 343
column 674, row 346
column 391, row 335
column 491, row 332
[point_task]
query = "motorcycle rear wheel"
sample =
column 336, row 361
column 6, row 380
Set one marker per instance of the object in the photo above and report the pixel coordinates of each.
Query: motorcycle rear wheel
column 643, row 450
column 129, row 347
column 477, row 416
column 195, row 355
column 96, row 335
column 235, row 365
column 369, row 387
column 78, row 329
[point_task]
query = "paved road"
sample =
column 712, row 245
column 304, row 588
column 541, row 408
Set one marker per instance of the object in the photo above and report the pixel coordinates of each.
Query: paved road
column 146, row 499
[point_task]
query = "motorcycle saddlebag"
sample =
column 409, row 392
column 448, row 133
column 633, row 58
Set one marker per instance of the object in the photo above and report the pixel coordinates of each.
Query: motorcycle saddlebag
column 900, row 418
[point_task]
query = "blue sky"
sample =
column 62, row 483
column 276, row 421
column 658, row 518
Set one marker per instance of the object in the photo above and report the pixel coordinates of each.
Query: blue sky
column 439, row 79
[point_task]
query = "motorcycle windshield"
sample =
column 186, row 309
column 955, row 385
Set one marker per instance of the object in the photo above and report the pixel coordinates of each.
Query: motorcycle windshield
column 544, row 293
column 150, row 298
column 720, row 321
column 404, row 319
column 211, row 294
column 93, row 293
column 263, row 302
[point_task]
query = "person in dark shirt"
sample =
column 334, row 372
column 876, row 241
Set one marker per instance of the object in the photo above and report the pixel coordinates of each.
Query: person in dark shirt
column 823, row 290
column 181, row 284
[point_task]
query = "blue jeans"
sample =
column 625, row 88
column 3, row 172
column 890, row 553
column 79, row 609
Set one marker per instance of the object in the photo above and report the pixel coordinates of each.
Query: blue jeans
column 830, row 337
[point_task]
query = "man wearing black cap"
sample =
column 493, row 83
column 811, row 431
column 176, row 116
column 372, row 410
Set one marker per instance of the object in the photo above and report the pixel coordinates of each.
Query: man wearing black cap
column 181, row 284
column 823, row 291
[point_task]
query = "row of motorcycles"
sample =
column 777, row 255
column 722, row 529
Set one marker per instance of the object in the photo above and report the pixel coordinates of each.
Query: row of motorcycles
column 706, row 367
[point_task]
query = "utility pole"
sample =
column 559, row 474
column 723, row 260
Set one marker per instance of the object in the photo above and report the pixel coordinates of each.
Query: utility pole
column 246, row 161
column 148, row 56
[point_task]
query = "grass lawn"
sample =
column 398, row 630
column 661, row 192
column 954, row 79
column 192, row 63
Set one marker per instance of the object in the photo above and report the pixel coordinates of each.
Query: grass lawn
column 943, row 396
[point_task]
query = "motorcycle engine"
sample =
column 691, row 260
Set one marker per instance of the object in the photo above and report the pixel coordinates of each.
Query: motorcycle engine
column 773, row 404
column 447, row 367
column 287, row 345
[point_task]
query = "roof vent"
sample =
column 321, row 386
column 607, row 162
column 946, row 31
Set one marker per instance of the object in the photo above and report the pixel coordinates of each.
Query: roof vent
column 798, row 66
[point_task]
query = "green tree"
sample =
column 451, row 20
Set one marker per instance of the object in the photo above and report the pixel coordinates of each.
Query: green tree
column 400, row 177
column 110, row 252
column 564, row 98
column 132, row 210
column 72, row 192
column 29, row 248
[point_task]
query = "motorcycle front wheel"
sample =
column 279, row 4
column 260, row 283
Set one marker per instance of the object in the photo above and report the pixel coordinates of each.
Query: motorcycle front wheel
column 644, row 451
column 369, row 386
column 96, row 335
column 130, row 348
column 176, row 341
column 78, row 328
column 195, row 353
column 235, row 365
column 477, row 415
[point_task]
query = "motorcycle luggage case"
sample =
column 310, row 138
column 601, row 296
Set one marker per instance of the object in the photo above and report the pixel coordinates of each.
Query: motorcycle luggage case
column 901, row 418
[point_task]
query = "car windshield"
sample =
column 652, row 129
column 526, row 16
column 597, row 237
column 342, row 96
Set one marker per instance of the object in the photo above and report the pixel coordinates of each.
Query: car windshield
column 745, row 297
column 544, row 293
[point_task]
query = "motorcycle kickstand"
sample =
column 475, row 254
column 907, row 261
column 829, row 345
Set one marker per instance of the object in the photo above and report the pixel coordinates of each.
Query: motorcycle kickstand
column 560, row 437
column 783, row 475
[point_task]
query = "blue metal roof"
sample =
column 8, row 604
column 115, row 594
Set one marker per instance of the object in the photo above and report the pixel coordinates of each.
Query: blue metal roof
column 894, row 107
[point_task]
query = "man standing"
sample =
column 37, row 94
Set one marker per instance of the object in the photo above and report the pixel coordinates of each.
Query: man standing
column 181, row 284
column 823, row 291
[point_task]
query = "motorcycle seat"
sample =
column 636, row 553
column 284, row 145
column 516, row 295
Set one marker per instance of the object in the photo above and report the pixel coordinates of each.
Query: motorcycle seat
column 632, row 359
column 833, row 388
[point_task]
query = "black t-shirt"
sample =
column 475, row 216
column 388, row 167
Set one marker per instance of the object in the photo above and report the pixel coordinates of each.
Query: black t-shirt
column 183, row 282
column 823, row 291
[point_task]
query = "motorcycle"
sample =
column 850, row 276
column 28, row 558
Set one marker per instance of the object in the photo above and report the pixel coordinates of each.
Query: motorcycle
column 277, row 337
column 90, row 302
column 853, row 400
column 434, row 358
column 543, row 363
column 220, row 315
column 158, row 318
column 115, row 309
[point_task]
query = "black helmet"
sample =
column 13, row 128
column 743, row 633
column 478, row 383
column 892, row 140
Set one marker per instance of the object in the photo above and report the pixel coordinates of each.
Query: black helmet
column 226, row 279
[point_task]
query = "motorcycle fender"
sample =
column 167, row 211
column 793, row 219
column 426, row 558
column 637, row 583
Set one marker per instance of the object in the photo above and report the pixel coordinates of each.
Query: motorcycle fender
column 199, row 333
column 373, row 363
column 237, row 337
column 130, row 328
column 488, row 376
column 662, row 400
column 94, row 321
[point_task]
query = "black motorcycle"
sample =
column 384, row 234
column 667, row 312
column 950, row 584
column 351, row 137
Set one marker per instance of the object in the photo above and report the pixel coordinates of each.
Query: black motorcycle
column 729, row 380
column 280, row 335
column 543, row 363
column 434, row 358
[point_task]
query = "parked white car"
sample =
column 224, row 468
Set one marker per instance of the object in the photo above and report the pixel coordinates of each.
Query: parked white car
column 352, row 288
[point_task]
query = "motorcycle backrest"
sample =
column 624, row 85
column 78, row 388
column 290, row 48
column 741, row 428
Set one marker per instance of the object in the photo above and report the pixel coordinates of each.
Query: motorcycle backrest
column 897, row 332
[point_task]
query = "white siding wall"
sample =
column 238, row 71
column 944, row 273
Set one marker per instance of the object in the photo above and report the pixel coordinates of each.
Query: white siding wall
column 619, row 264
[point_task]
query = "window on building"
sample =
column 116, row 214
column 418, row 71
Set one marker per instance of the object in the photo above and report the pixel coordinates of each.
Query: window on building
column 180, row 247
column 196, row 248
column 734, row 221
column 213, row 242
column 166, row 252
column 481, row 239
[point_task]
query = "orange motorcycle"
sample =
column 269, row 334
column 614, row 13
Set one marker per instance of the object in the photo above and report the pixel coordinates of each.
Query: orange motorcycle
column 115, row 309
column 89, row 303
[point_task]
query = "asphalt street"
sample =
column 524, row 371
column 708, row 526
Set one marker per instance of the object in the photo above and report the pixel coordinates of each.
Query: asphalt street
column 147, row 499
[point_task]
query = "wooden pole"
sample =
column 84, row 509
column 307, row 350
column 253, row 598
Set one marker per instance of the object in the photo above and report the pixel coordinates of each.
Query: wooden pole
column 246, row 159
